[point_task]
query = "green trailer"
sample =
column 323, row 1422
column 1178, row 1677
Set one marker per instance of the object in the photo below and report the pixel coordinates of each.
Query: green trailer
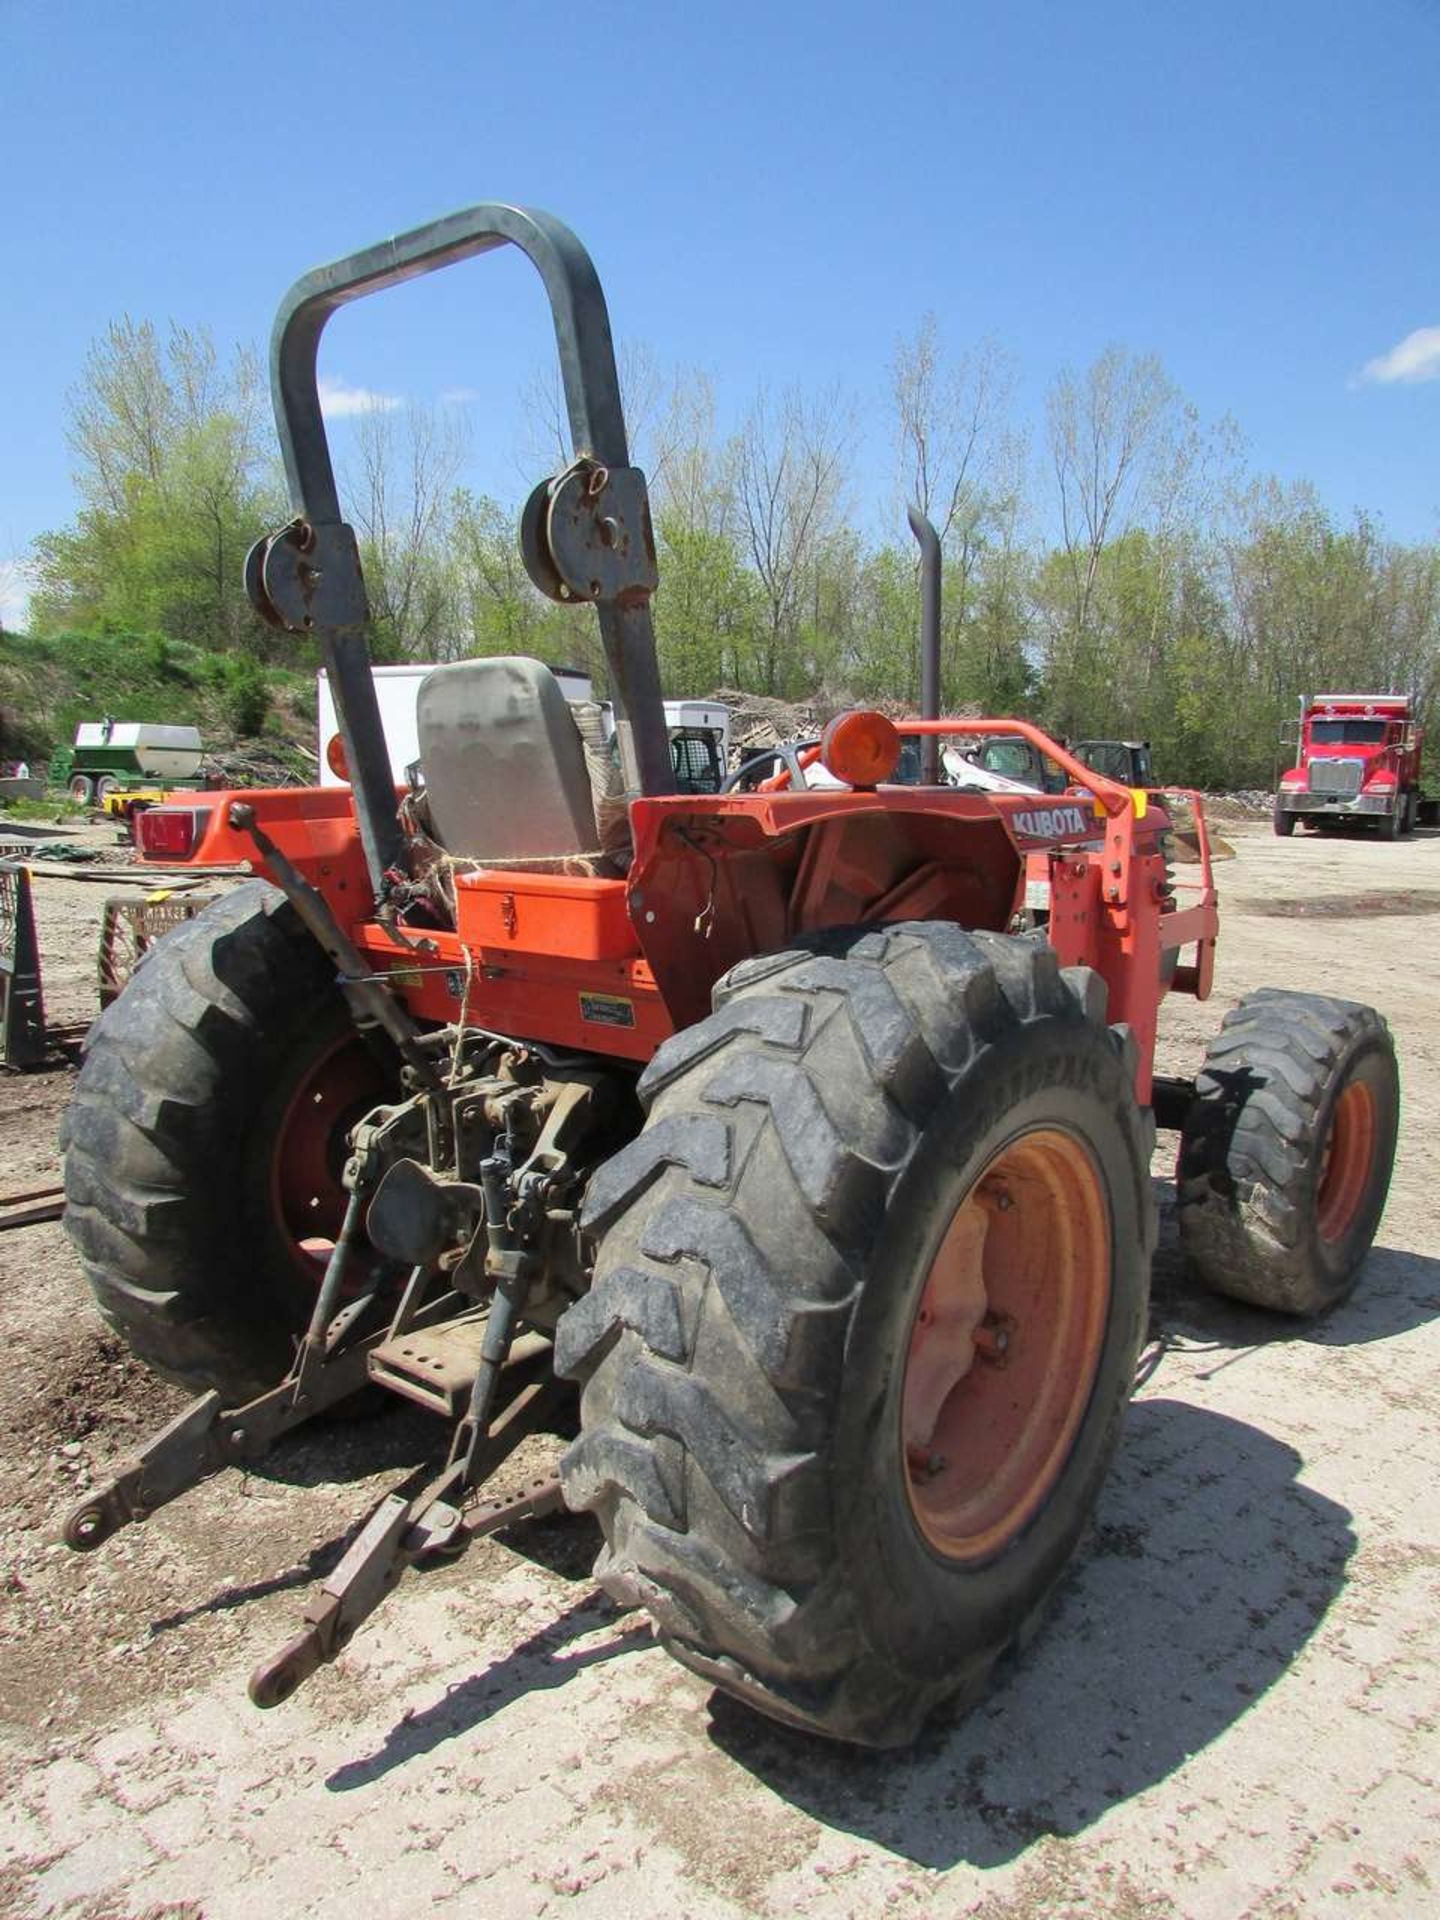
column 116, row 756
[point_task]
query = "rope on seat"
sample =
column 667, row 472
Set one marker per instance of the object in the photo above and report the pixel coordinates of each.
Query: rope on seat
column 434, row 869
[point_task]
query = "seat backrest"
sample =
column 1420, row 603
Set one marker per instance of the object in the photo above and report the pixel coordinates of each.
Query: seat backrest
column 504, row 766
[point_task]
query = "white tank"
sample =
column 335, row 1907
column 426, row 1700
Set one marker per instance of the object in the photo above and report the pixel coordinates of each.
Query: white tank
column 162, row 753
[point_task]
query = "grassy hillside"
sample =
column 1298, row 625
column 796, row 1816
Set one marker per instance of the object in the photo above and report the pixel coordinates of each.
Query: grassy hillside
column 48, row 686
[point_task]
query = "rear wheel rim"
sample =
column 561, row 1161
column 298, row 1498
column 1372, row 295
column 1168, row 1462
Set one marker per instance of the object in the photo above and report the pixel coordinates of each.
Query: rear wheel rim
column 307, row 1194
column 1005, row 1345
column 1349, row 1154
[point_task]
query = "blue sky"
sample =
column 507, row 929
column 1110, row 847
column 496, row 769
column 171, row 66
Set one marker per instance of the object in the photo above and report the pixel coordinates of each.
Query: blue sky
column 770, row 191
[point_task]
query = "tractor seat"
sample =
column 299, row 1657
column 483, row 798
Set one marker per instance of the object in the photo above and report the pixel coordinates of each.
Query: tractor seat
column 506, row 776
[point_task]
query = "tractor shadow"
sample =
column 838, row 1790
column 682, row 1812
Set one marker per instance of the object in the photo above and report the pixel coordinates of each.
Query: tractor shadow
column 1397, row 1291
column 389, row 1444
column 549, row 1658
column 564, row 1544
column 1207, row 1571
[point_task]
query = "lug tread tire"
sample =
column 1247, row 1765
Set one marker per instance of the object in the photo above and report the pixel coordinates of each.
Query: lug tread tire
column 713, row 1341
column 173, row 1071
column 1248, row 1171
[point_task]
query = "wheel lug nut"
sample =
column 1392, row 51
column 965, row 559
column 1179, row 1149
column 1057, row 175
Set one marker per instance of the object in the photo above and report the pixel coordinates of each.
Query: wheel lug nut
column 923, row 1464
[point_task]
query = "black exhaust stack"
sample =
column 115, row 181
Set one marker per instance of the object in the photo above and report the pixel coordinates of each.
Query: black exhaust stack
column 929, row 544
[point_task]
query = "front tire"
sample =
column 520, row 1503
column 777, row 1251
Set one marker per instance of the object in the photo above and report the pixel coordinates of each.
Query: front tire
column 204, row 1144
column 764, row 1415
column 1284, row 821
column 1286, row 1151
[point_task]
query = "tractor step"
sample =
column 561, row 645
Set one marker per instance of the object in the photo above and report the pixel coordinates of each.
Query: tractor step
column 436, row 1366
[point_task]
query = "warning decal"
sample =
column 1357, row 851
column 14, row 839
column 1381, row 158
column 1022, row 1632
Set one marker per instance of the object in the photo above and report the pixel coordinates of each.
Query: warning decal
column 607, row 1010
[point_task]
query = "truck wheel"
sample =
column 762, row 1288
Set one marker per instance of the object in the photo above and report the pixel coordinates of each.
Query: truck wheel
column 204, row 1145
column 1390, row 823
column 868, row 1294
column 1412, row 812
column 1284, row 821
column 105, row 786
column 1286, row 1151
column 82, row 789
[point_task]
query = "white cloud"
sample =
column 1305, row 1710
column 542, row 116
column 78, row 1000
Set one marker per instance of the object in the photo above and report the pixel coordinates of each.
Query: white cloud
column 17, row 580
column 1416, row 357
column 340, row 401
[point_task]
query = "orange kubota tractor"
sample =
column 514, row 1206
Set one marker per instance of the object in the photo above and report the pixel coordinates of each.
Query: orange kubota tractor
column 772, row 1119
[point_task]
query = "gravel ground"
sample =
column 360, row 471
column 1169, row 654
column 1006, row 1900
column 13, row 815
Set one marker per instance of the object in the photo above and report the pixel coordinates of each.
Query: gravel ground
column 1232, row 1711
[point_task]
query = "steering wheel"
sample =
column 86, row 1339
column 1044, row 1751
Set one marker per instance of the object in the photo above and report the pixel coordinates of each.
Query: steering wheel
column 790, row 774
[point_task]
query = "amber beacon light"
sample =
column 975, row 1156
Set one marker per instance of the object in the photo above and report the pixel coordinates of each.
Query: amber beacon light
column 861, row 748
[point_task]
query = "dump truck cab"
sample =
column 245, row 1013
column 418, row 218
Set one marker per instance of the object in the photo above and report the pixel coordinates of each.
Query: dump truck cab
column 1357, row 758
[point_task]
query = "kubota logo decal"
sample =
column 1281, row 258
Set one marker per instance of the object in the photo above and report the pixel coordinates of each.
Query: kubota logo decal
column 1050, row 823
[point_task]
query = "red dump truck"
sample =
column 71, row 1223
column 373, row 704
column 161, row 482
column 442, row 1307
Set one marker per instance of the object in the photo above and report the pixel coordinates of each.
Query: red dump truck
column 1358, row 759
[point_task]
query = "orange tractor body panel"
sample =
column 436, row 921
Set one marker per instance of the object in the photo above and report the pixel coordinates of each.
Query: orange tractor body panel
column 614, row 966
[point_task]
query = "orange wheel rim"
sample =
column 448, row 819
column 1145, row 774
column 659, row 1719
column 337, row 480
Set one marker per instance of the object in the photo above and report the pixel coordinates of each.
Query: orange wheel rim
column 1348, row 1157
column 1005, row 1345
column 307, row 1193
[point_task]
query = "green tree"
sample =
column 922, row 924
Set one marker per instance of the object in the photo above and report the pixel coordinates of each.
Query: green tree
column 175, row 479
column 491, row 605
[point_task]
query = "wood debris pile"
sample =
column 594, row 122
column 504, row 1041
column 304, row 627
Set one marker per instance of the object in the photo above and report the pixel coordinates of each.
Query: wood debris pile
column 262, row 763
column 759, row 720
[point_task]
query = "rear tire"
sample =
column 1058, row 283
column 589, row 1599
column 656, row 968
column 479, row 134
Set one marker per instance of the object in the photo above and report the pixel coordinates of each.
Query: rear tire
column 104, row 787
column 1286, row 1152
column 82, row 790
column 203, row 1083
column 749, row 1344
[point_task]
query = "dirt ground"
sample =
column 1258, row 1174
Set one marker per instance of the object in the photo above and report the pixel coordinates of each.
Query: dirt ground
column 1232, row 1711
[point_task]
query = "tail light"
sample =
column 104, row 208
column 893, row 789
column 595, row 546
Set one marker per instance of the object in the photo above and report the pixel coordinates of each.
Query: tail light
column 335, row 757
column 170, row 833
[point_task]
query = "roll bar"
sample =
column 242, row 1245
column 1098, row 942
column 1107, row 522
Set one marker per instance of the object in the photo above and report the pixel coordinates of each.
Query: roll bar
column 587, row 533
column 577, row 304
